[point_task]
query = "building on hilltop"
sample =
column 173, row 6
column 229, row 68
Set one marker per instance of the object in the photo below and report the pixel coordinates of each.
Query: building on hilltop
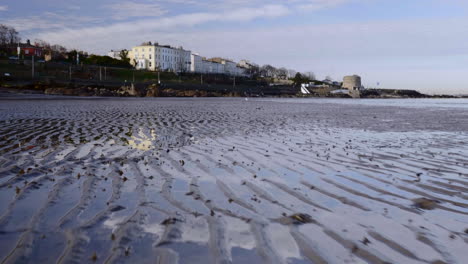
column 160, row 57
column 155, row 57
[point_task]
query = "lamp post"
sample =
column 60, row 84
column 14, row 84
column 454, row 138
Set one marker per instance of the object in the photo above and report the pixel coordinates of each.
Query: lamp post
column 32, row 73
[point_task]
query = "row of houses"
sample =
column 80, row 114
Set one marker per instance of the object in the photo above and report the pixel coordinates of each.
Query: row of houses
column 155, row 57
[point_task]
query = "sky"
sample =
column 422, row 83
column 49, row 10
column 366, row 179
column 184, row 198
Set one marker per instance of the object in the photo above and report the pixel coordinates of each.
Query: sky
column 398, row 44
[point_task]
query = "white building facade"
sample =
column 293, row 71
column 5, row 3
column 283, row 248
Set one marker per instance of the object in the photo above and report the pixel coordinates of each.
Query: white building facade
column 215, row 66
column 155, row 57
column 115, row 54
column 163, row 58
column 196, row 63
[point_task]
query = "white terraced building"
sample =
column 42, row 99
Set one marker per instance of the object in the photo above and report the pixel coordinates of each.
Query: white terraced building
column 196, row 64
column 215, row 66
column 156, row 57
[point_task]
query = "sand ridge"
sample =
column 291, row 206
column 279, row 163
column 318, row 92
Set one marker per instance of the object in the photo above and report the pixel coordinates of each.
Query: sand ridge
column 231, row 181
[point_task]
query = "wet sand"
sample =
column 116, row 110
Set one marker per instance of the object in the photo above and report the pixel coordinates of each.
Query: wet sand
column 233, row 181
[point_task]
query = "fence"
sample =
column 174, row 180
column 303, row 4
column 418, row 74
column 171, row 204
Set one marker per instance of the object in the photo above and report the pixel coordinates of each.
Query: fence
column 23, row 70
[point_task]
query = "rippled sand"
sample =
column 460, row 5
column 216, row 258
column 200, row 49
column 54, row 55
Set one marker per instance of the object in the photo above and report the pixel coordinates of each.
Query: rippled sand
column 233, row 181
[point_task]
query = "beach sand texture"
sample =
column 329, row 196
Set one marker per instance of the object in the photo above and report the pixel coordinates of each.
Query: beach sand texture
column 233, row 181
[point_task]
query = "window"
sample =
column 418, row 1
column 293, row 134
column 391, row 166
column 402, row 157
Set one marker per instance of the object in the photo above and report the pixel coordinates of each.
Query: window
column 150, row 63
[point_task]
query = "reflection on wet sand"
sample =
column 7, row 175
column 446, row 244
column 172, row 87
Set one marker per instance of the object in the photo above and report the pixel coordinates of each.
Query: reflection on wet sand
column 142, row 141
column 232, row 181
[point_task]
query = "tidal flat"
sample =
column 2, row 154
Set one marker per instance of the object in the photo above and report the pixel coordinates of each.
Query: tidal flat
column 233, row 180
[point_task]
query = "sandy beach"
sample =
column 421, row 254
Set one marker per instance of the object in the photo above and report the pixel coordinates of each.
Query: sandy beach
column 233, row 180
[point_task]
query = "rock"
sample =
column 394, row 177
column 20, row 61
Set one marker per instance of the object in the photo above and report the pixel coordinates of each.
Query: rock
column 117, row 208
column 153, row 91
column 425, row 203
column 170, row 221
column 296, row 219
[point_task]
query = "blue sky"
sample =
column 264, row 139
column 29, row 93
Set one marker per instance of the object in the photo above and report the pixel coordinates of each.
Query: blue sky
column 405, row 44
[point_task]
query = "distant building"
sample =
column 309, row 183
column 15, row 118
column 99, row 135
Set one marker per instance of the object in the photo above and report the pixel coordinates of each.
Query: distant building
column 215, row 66
column 245, row 64
column 166, row 58
column 160, row 57
column 115, row 54
column 196, row 63
column 352, row 83
column 27, row 50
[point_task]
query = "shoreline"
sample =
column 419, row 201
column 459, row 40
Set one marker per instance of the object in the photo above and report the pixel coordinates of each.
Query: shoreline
column 120, row 92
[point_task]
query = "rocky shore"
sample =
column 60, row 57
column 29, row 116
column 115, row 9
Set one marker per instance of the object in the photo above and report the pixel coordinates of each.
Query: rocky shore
column 151, row 89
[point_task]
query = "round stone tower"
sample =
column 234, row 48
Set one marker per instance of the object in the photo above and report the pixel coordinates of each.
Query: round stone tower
column 352, row 82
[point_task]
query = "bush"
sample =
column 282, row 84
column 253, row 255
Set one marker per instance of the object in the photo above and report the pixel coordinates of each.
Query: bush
column 106, row 61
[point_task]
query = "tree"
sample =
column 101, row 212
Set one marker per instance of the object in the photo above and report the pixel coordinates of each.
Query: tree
column 254, row 70
column 300, row 79
column 13, row 35
column 268, row 71
column 3, row 34
column 42, row 44
column 72, row 55
column 105, row 61
column 282, row 73
column 309, row 75
column 291, row 73
column 124, row 55
column 8, row 36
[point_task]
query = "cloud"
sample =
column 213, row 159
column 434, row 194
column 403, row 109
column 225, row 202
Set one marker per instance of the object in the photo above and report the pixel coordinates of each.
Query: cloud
column 320, row 4
column 140, row 27
column 48, row 21
column 3, row 8
column 73, row 7
column 125, row 10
